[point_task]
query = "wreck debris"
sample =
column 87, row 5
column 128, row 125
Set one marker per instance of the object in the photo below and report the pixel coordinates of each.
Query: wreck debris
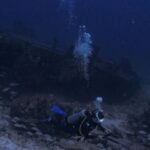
column 37, row 67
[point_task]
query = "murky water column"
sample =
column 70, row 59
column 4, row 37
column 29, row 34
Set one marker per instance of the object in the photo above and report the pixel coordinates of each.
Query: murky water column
column 70, row 6
column 71, row 11
column 83, row 51
column 62, row 2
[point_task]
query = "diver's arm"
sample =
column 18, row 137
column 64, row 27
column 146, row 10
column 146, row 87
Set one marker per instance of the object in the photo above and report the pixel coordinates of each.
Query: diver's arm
column 101, row 128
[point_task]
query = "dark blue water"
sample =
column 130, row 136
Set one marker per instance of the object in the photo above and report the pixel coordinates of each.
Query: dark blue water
column 120, row 27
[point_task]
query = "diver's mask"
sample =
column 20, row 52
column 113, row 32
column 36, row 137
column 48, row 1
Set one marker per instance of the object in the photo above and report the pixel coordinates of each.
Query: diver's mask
column 99, row 117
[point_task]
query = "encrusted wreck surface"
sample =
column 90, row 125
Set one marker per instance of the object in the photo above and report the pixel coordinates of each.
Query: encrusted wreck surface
column 38, row 66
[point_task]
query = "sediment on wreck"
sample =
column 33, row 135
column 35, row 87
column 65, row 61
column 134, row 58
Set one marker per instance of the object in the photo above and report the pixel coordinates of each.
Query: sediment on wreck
column 39, row 67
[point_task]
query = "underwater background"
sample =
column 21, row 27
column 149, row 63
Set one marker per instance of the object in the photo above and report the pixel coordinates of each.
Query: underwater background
column 119, row 28
column 83, row 58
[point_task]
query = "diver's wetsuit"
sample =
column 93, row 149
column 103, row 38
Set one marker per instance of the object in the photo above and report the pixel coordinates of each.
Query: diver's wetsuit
column 81, row 123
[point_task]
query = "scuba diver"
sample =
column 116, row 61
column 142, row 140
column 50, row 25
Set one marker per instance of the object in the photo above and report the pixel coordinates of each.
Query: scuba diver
column 80, row 123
